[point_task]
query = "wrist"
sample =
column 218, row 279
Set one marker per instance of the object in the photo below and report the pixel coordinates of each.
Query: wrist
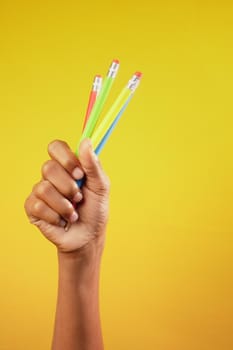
column 81, row 267
column 91, row 251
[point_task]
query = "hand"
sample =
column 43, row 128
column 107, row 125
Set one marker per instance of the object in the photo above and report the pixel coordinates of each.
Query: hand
column 50, row 207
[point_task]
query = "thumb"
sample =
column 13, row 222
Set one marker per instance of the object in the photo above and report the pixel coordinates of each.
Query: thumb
column 96, row 180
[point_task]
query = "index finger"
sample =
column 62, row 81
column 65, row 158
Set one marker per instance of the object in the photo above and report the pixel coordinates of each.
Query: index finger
column 61, row 152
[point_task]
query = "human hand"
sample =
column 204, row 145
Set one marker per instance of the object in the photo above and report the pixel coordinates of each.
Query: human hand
column 49, row 206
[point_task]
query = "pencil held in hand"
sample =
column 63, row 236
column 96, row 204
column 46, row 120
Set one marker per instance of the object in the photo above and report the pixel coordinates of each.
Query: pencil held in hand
column 98, row 106
column 117, row 106
column 102, row 133
column 110, row 130
column 96, row 87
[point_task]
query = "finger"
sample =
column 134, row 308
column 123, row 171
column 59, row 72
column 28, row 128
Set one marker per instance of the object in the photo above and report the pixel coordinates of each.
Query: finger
column 97, row 181
column 37, row 209
column 61, row 205
column 58, row 176
column 61, row 152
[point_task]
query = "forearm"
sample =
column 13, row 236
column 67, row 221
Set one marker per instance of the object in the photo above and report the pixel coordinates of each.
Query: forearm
column 77, row 323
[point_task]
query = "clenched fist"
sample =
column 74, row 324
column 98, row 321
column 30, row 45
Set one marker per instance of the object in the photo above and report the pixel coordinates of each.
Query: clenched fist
column 66, row 215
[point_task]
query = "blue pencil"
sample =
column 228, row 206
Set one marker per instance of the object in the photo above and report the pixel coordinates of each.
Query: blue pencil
column 110, row 130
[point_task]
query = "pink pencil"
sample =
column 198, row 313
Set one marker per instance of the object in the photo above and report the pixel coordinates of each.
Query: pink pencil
column 97, row 83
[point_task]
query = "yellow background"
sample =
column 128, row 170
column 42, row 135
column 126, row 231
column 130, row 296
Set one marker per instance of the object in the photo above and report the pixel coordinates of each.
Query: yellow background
column 167, row 270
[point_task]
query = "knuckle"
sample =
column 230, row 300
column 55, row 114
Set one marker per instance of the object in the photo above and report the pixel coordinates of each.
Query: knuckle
column 43, row 189
column 47, row 167
column 37, row 208
column 104, row 186
column 54, row 145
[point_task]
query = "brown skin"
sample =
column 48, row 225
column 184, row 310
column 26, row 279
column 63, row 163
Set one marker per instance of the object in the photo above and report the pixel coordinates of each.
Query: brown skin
column 77, row 324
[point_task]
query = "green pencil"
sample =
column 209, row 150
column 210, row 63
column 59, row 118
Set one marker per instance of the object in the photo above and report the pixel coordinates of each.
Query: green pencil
column 98, row 106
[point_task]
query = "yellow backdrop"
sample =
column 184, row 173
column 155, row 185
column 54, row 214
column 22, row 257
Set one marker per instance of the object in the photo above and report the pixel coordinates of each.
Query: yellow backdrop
column 167, row 271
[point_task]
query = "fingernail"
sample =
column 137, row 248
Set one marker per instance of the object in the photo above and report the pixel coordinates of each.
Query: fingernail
column 67, row 227
column 62, row 223
column 73, row 217
column 78, row 197
column 77, row 173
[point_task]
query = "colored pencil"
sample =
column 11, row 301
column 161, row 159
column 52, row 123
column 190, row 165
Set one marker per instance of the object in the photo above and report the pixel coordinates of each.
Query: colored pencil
column 117, row 106
column 110, row 130
column 98, row 106
column 101, row 145
column 96, row 87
